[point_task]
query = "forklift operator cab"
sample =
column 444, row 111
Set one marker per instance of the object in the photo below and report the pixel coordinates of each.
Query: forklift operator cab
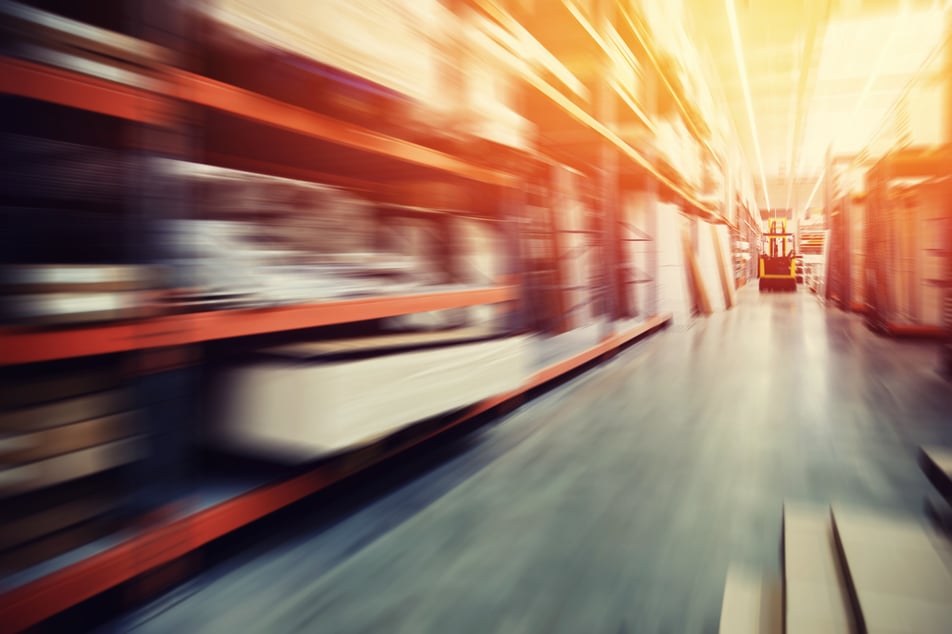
column 778, row 265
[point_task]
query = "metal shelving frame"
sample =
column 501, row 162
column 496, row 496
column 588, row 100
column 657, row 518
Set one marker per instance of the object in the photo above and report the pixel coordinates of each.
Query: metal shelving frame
column 593, row 146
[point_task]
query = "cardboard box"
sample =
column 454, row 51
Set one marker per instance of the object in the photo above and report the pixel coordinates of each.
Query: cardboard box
column 71, row 466
column 66, row 411
column 23, row 448
column 295, row 408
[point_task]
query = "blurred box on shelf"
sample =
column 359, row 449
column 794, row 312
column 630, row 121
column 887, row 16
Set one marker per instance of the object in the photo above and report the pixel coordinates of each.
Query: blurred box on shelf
column 259, row 240
column 304, row 401
column 449, row 249
column 71, row 466
column 399, row 45
column 47, row 443
column 57, row 294
column 46, row 309
column 48, row 414
column 489, row 94
column 77, row 278
column 63, row 431
column 54, row 40
column 680, row 150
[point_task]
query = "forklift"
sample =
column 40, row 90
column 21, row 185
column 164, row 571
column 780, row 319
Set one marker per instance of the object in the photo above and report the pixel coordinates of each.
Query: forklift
column 778, row 264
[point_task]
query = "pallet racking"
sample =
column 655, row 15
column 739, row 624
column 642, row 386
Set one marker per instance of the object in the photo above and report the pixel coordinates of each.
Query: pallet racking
column 606, row 139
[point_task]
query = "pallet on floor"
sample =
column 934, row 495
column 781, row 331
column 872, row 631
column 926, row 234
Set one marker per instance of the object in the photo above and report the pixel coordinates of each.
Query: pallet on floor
column 936, row 463
column 898, row 573
column 752, row 603
column 816, row 598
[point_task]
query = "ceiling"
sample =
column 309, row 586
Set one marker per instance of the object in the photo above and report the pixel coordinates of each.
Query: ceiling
column 821, row 74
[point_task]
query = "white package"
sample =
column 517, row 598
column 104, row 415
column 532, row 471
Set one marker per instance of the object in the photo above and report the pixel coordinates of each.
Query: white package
column 305, row 409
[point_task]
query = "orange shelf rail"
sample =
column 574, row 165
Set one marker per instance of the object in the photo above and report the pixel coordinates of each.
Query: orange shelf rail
column 233, row 100
column 493, row 10
column 27, row 346
column 68, row 88
column 33, row 602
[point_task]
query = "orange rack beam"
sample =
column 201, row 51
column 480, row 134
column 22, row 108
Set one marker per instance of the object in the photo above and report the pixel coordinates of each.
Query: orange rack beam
column 27, row 346
column 214, row 94
column 33, row 602
column 67, row 88
column 491, row 9
column 915, row 330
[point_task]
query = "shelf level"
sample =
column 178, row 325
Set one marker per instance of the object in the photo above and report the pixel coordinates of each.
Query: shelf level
column 587, row 32
column 27, row 346
column 75, row 90
column 243, row 103
column 37, row 600
column 590, row 122
column 636, row 30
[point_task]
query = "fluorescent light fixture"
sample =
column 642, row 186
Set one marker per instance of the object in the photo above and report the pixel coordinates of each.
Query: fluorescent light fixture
column 742, row 69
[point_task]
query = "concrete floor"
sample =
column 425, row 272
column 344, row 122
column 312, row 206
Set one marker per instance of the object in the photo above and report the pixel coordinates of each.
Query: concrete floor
column 614, row 503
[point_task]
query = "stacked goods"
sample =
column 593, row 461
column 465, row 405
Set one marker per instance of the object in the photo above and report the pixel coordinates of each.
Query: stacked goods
column 365, row 58
column 933, row 252
column 909, row 230
column 681, row 151
column 857, row 245
column 303, row 401
column 65, row 294
column 477, row 250
column 409, row 64
column 489, row 59
column 62, row 436
column 259, row 240
column 448, row 250
column 57, row 41
column 424, row 238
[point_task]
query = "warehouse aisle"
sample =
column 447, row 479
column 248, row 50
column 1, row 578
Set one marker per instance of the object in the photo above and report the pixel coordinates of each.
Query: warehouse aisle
column 614, row 503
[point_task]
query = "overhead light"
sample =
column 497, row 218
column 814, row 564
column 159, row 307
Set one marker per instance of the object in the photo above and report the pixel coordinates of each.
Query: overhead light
column 742, row 69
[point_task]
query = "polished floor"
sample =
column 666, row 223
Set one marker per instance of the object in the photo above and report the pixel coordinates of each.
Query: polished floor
column 614, row 503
